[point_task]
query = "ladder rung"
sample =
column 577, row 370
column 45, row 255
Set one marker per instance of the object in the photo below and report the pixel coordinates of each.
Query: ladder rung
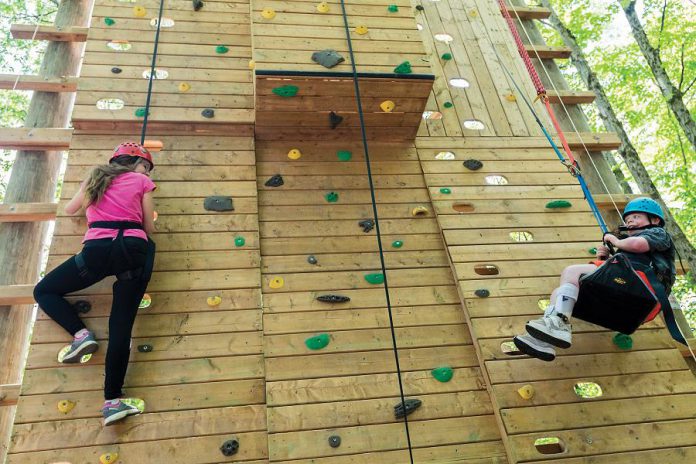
column 571, row 97
column 529, row 12
column 16, row 295
column 9, row 394
column 27, row 212
column 52, row 33
column 548, row 52
column 39, row 138
column 38, row 83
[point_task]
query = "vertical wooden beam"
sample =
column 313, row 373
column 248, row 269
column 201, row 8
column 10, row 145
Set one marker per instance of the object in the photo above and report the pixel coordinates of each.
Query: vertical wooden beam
column 33, row 179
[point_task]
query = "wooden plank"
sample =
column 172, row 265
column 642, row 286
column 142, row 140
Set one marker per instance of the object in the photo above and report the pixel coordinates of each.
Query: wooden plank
column 39, row 139
column 27, row 212
column 52, row 33
column 613, row 200
column 528, row 12
column 9, row 394
column 547, row 51
column 595, row 141
column 571, row 97
column 11, row 295
column 38, row 83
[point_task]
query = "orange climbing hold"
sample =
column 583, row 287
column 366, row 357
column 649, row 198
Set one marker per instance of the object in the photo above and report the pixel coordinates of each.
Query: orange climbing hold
column 153, row 145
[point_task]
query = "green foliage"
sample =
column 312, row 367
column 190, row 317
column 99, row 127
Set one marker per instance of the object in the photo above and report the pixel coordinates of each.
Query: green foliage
column 602, row 30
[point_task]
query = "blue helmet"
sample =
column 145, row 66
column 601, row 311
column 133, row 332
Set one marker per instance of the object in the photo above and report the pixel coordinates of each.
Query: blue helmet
column 644, row 205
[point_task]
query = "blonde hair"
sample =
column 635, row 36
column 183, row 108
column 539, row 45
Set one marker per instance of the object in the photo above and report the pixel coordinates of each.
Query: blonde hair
column 101, row 176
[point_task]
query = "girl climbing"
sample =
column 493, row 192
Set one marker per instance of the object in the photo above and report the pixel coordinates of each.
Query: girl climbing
column 117, row 200
column 648, row 247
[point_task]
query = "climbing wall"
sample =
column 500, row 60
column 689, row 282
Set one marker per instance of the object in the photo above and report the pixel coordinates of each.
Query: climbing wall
column 597, row 401
column 349, row 388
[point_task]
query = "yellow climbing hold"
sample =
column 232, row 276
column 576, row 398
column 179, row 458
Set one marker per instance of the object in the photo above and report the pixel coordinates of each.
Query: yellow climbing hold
column 213, row 301
column 139, row 11
column 294, row 154
column 526, row 392
column 65, row 406
column 184, row 87
column 108, row 458
column 362, row 30
column 268, row 13
column 252, row 64
column 473, row 13
column 276, row 282
column 511, row 97
column 323, row 7
column 387, row 106
column 419, row 211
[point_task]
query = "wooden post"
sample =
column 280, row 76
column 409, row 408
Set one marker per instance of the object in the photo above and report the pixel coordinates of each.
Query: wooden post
column 603, row 172
column 33, row 179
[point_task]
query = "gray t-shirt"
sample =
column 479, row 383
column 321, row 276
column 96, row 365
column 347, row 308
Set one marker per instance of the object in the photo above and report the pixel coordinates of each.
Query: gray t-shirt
column 662, row 254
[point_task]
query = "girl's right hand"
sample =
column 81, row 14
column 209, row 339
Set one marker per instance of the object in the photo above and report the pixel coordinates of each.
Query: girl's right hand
column 602, row 252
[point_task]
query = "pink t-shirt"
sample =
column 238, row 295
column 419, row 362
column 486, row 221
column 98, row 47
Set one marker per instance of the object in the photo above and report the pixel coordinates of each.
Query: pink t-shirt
column 122, row 201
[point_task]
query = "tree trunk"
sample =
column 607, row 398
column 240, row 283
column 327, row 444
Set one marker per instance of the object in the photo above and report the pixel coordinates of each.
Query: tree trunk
column 33, row 179
column 627, row 150
column 673, row 96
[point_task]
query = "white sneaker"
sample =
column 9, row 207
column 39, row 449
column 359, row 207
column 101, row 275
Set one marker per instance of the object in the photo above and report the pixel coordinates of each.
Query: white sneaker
column 534, row 348
column 553, row 329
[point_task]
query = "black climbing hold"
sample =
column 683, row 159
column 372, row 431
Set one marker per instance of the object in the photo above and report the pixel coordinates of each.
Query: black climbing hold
column 208, row 113
column 116, row 70
column 327, row 58
column 411, row 404
column 230, row 447
column 82, row 306
column 482, row 293
column 335, row 119
column 473, row 164
column 218, row 203
column 275, row 181
column 420, row 7
column 145, row 348
column 197, row 5
column 333, row 298
column 311, row 259
column 334, row 441
column 367, row 225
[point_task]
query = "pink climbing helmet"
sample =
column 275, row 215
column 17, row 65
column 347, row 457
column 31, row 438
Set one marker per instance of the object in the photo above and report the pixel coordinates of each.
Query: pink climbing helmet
column 132, row 149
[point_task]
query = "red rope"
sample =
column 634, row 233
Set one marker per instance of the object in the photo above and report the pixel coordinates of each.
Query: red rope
column 541, row 91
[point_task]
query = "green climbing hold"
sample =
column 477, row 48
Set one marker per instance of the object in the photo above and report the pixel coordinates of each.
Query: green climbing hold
column 403, row 68
column 623, row 341
column 317, row 342
column 344, row 155
column 331, row 197
column 446, row 56
column 109, row 21
column 443, row 374
column 239, row 241
column 445, row 190
column 558, row 204
column 376, row 278
column 448, row 104
column 592, row 251
column 140, row 112
column 397, row 244
column 221, row 49
column 393, row 8
column 286, row 90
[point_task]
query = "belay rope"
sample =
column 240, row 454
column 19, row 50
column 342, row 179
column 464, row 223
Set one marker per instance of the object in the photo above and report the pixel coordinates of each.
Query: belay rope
column 377, row 228
column 152, row 74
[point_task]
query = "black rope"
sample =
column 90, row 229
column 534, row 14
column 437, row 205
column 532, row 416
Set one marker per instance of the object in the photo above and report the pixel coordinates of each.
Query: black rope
column 374, row 211
column 152, row 74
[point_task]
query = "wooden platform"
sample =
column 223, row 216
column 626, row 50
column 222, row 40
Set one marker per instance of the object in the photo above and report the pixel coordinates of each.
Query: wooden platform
column 243, row 369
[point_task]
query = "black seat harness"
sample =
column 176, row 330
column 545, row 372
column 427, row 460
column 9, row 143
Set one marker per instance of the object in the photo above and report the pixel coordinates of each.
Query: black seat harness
column 143, row 273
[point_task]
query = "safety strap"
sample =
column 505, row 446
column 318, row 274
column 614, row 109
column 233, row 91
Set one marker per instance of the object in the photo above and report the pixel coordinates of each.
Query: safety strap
column 377, row 226
column 144, row 272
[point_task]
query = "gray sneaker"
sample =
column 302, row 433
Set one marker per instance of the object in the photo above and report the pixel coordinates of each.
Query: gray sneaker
column 80, row 347
column 554, row 329
column 535, row 348
column 114, row 411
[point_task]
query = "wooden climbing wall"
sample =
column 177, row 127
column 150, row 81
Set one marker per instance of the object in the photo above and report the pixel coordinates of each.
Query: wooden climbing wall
column 350, row 387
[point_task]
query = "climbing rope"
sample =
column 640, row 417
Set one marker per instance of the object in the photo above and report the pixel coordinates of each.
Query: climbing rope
column 152, row 74
column 567, row 113
column 377, row 227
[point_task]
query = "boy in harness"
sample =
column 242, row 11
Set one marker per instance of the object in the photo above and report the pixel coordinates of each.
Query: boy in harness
column 648, row 249
column 117, row 200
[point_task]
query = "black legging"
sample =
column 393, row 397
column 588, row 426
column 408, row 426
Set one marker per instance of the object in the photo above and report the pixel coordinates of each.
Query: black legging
column 103, row 257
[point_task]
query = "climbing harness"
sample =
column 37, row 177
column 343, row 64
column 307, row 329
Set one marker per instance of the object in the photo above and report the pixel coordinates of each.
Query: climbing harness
column 405, row 405
column 152, row 75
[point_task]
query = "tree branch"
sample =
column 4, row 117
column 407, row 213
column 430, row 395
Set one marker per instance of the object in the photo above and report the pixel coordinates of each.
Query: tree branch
column 662, row 26
column 681, row 60
column 688, row 87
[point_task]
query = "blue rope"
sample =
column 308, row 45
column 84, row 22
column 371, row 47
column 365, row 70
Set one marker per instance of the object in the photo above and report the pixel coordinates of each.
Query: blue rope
column 377, row 228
